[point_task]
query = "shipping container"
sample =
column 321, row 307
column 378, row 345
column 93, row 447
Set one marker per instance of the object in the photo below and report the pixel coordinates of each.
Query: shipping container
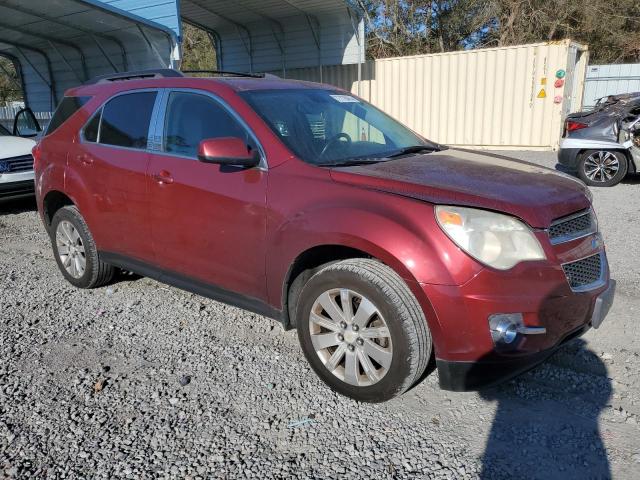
column 495, row 98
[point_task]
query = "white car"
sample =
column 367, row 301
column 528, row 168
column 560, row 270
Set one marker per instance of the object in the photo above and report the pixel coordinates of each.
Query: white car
column 16, row 161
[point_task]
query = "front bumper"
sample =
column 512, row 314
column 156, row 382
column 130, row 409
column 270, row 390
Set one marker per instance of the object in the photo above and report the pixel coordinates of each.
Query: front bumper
column 464, row 376
column 466, row 355
column 13, row 185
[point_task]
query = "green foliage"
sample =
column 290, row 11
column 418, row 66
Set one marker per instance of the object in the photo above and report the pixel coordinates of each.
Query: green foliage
column 407, row 27
column 197, row 50
column 9, row 85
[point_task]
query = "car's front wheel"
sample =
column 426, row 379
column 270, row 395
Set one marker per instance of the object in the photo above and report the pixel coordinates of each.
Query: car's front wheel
column 362, row 330
column 75, row 250
column 602, row 168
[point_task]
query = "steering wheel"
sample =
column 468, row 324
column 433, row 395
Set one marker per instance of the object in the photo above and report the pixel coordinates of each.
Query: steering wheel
column 333, row 140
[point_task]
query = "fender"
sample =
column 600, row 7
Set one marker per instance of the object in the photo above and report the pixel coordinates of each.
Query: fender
column 53, row 177
column 403, row 234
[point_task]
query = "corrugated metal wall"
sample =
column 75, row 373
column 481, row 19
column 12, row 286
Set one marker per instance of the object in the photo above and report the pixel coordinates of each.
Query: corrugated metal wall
column 484, row 98
column 337, row 45
column 603, row 80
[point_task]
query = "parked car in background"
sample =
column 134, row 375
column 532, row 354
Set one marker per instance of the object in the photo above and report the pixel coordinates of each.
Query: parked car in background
column 304, row 203
column 603, row 145
column 16, row 161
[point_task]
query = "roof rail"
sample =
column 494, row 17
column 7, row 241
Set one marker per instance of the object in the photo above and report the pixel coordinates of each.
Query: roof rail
column 137, row 75
column 227, row 73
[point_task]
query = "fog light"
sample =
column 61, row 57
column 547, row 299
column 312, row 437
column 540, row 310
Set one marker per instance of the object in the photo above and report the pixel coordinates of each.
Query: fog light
column 504, row 327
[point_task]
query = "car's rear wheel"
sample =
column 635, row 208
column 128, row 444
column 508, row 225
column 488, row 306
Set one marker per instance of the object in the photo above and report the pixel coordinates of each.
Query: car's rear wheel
column 362, row 330
column 75, row 251
column 602, row 168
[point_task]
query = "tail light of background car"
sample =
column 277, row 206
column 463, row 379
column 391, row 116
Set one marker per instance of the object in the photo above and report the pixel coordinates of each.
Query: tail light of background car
column 572, row 126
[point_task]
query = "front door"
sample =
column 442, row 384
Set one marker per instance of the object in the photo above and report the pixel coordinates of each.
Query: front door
column 207, row 221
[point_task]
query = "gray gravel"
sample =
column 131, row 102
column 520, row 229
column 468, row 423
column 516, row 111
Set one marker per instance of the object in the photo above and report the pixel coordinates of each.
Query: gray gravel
column 141, row 380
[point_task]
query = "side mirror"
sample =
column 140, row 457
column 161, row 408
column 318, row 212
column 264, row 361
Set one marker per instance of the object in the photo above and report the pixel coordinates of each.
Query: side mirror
column 25, row 124
column 227, row 151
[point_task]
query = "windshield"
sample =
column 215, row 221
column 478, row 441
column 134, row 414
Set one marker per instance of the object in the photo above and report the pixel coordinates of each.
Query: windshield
column 4, row 131
column 326, row 127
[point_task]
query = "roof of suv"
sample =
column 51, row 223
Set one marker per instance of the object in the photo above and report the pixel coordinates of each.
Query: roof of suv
column 236, row 83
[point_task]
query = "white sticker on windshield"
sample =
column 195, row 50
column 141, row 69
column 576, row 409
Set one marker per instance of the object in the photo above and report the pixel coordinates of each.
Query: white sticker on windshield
column 345, row 98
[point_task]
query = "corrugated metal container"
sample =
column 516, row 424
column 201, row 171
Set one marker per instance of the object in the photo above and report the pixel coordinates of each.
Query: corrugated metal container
column 603, row 80
column 487, row 98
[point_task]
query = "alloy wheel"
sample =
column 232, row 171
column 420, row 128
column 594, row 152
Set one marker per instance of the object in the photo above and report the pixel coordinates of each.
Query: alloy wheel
column 601, row 166
column 70, row 249
column 351, row 337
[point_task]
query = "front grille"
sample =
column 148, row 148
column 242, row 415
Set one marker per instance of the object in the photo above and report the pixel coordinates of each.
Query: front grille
column 23, row 163
column 584, row 273
column 572, row 227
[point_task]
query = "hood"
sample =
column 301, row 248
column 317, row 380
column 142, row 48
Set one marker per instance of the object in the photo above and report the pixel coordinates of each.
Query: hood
column 535, row 194
column 11, row 146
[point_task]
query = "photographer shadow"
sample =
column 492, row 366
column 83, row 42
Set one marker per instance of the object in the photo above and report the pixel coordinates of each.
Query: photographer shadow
column 546, row 422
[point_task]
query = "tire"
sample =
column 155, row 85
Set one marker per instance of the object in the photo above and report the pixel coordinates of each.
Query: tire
column 399, row 354
column 602, row 168
column 67, row 227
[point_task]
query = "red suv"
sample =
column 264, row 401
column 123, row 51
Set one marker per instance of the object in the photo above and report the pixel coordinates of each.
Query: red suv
column 306, row 204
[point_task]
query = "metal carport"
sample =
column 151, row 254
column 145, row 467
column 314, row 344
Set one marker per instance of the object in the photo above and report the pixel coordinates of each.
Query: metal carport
column 276, row 35
column 56, row 44
column 266, row 35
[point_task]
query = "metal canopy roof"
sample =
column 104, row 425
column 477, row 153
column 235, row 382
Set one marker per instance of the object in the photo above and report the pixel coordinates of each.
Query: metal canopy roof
column 58, row 44
column 275, row 35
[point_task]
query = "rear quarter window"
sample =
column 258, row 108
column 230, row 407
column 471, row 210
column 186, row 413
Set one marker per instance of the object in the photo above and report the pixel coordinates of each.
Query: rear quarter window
column 67, row 107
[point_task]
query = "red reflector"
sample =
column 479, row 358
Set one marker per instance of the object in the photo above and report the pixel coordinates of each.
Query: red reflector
column 571, row 126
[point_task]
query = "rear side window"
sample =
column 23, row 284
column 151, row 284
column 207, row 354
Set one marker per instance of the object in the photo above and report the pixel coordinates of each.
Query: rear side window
column 67, row 107
column 125, row 120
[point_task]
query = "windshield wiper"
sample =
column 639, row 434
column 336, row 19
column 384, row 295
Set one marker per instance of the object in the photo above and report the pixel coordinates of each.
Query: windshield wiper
column 351, row 163
column 413, row 149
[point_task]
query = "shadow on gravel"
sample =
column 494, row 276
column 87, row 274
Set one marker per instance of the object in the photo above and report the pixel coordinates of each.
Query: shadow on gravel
column 19, row 205
column 546, row 423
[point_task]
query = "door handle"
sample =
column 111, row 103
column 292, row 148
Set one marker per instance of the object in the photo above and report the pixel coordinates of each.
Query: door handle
column 85, row 159
column 163, row 177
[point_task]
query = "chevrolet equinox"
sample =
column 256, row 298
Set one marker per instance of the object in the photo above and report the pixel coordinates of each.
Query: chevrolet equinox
column 306, row 204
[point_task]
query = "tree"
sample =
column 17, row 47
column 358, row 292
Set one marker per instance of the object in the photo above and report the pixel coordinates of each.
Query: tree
column 407, row 27
column 396, row 28
column 197, row 51
column 9, row 84
column 612, row 30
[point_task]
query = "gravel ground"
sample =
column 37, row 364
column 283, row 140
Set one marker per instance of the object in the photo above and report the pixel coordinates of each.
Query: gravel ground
column 140, row 380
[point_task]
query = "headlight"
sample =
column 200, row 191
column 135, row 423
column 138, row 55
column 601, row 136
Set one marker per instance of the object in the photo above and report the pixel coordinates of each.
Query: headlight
column 497, row 240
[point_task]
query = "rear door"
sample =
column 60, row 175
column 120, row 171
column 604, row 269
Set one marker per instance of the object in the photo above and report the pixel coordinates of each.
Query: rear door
column 207, row 222
column 111, row 159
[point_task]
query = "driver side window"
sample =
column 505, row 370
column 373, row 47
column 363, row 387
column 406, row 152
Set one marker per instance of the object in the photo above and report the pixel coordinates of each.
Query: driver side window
column 191, row 118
